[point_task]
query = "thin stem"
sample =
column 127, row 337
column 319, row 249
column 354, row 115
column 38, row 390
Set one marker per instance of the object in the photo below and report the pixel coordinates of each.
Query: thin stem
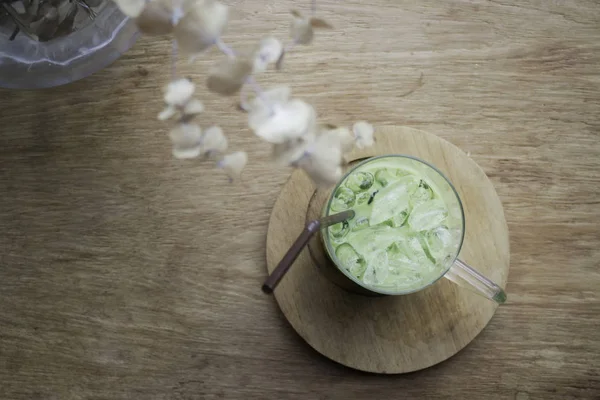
column 228, row 51
column 313, row 7
column 304, row 156
column 12, row 13
column 260, row 93
column 177, row 12
column 92, row 14
column 174, row 54
column 256, row 87
column 290, row 46
column 244, row 99
column 14, row 34
column 175, row 18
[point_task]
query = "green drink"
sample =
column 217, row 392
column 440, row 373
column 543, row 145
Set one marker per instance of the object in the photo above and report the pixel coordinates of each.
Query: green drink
column 408, row 226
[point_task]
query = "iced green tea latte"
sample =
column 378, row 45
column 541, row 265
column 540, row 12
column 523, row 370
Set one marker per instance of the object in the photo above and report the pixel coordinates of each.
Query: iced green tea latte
column 404, row 235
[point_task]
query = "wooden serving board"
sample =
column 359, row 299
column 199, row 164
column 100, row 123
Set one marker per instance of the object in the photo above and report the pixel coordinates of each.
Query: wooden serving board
column 393, row 334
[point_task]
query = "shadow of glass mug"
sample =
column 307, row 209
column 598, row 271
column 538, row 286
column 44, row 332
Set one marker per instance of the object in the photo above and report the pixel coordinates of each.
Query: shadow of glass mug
column 451, row 267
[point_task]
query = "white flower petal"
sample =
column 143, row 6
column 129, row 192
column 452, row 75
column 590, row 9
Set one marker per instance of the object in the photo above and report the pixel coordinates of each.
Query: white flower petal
column 259, row 65
column 269, row 51
column 234, row 163
column 187, row 140
column 179, row 92
column 363, row 133
column 323, row 175
column 214, row 141
column 282, row 122
column 131, row 8
column 168, row 113
column 324, row 159
column 343, row 136
column 320, row 23
column 327, row 149
column 202, row 24
column 193, row 107
column 275, row 95
column 228, row 76
column 296, row 14
column 290, row 152
column 156, row 18
column 301, row 30
column 279, row 62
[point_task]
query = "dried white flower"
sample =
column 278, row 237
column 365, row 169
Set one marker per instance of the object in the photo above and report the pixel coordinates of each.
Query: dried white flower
column 323, row 160
column 228, row 76
column 302, row 27
column 131, row 8
column 178, row 96
column 214, row 141
column 363, row 133
column 233, row 164
column 269, row 51
column 179, row 92
column 201, row 25
column 187, row 140
column 282, row 121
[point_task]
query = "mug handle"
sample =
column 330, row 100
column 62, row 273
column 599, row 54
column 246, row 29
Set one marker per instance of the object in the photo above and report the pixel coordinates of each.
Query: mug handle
column 465, row 276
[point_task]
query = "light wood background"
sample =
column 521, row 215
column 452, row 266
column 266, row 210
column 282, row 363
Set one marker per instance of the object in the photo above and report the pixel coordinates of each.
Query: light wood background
column 125, row 274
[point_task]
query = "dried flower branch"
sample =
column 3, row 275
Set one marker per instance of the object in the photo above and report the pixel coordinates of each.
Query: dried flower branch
column 288, row 124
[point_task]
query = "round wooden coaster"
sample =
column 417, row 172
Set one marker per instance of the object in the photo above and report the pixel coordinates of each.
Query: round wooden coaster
column 393, row 334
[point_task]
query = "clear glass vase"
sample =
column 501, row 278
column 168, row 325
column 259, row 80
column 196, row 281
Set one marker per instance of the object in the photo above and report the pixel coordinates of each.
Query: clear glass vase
column 26, row 63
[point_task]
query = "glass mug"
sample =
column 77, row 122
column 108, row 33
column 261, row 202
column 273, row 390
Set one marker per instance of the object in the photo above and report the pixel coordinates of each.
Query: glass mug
column 450, row 267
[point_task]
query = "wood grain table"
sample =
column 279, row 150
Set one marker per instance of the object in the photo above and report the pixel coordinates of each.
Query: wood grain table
column 126, row 274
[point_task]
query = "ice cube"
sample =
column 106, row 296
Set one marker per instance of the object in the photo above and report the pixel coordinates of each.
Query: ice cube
column 399, row 219
column 350, row 259
column 363, row 198
column 439, row 243
column 377, row 270
column 374, row 239
column 392, row 200
column 343, row 199
column 402, row 172
column 385, row 176
column 404, row 274
column 360, row 181
column 360, row 224
column 427, row 215
column 381, row 238
column 338, row 231
column 410, row 249
column 421, row 195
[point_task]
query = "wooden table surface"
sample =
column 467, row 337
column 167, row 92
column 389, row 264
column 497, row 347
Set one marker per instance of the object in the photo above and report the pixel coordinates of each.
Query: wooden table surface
column 126, row 274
